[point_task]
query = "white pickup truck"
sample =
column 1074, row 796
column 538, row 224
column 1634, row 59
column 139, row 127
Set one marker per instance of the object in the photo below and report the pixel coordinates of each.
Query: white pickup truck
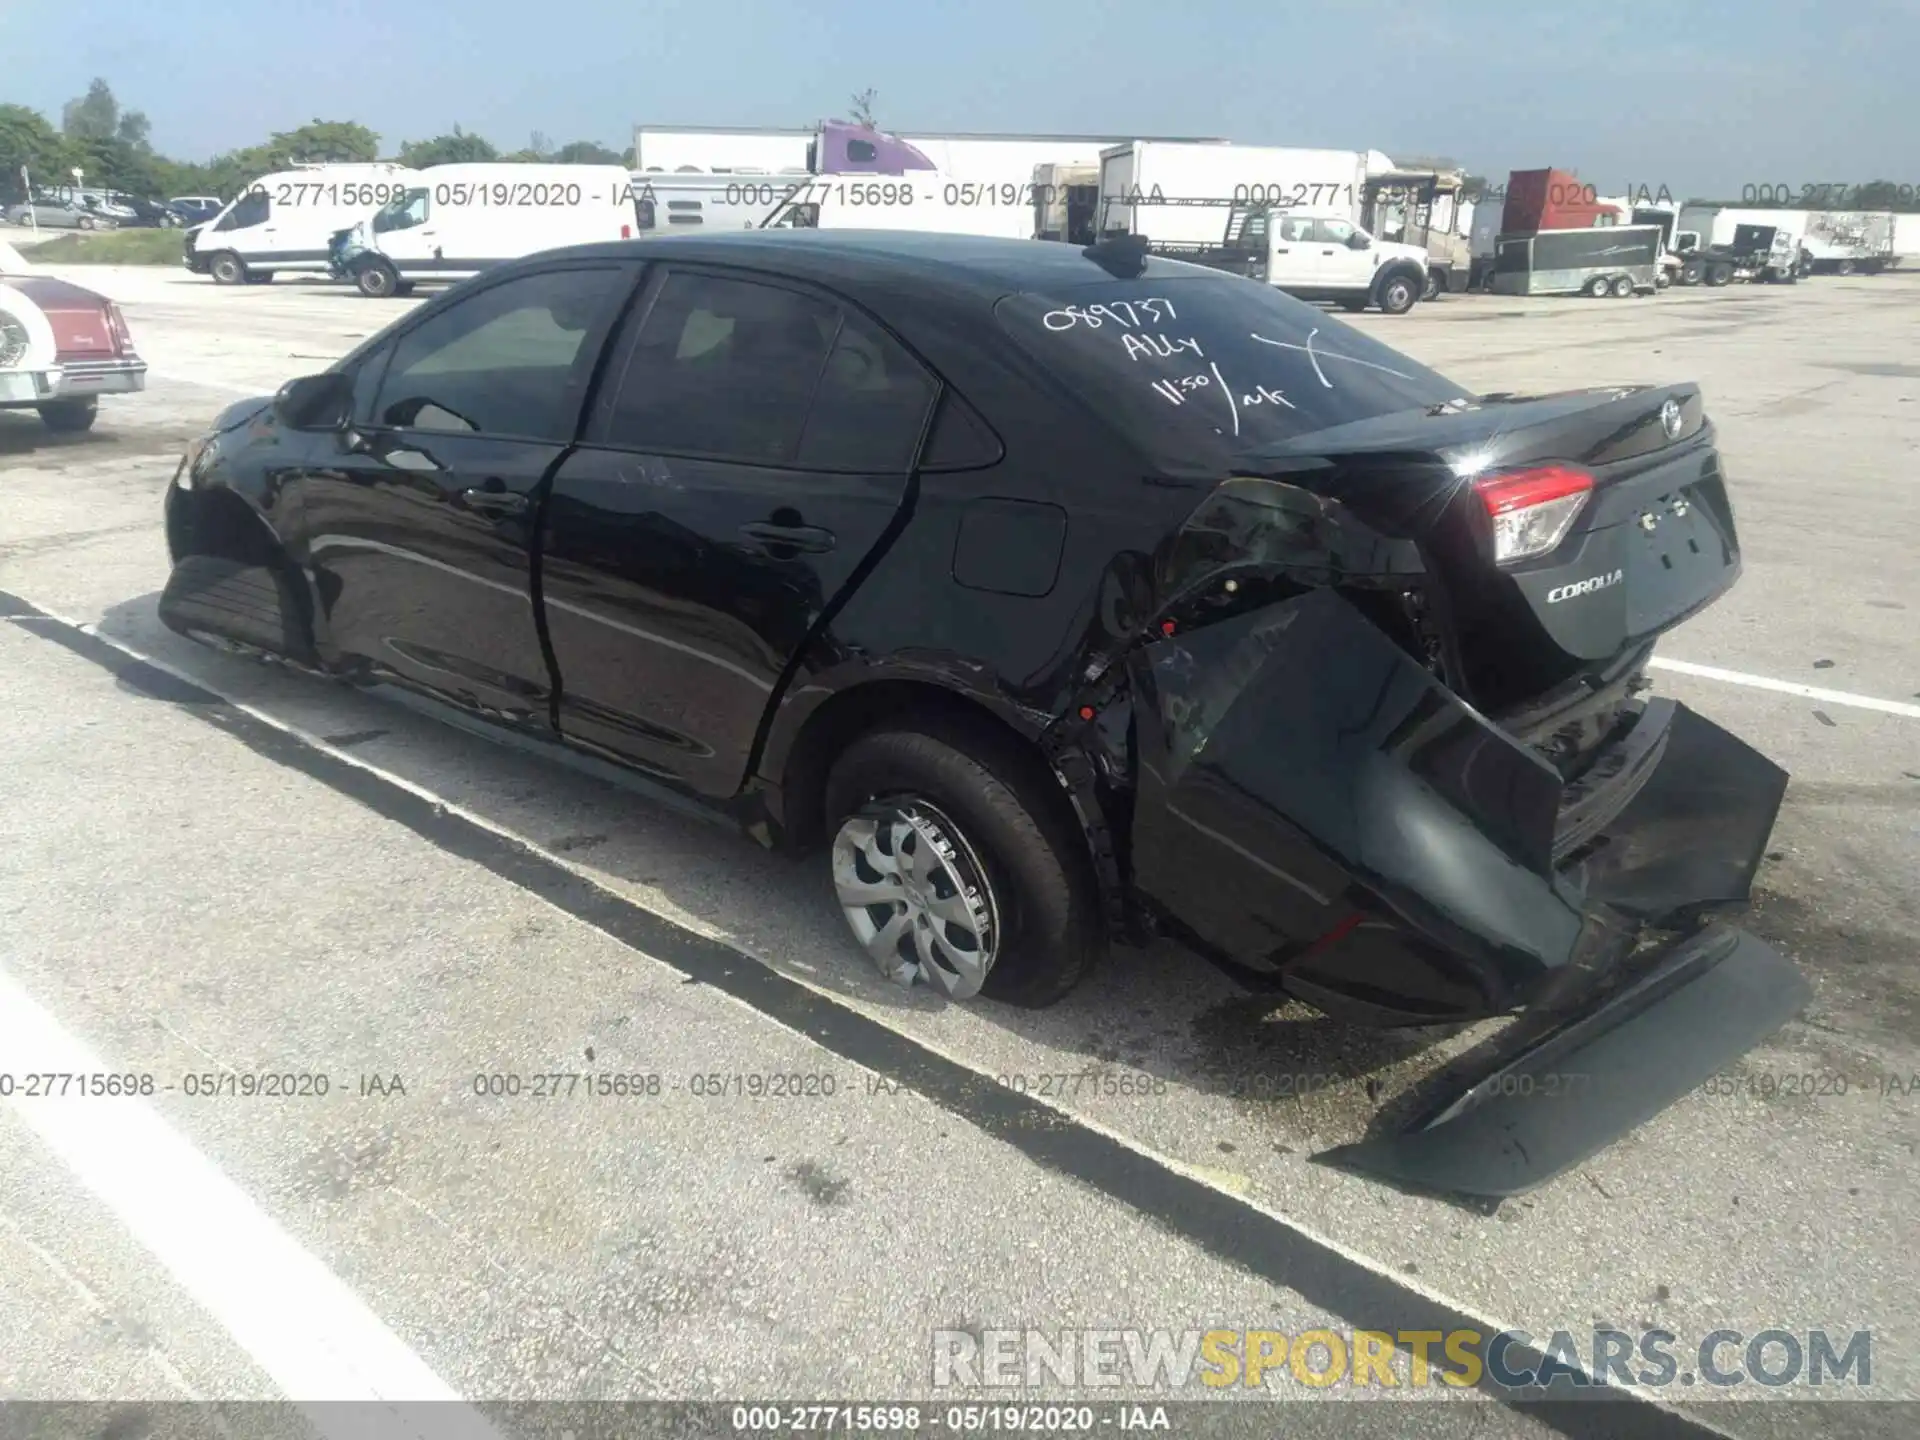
column 1314, row 254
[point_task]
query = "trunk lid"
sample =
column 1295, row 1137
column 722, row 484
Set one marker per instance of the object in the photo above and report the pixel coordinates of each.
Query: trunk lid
column 82, row 329
column 1653, row 543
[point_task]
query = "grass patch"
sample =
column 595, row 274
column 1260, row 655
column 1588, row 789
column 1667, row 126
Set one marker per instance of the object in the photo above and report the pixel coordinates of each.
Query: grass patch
column 105, row 247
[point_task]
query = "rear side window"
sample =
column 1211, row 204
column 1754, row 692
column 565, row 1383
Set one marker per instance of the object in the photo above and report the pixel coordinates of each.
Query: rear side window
column 870, row 406
column 725, row 368
column 1201, row 371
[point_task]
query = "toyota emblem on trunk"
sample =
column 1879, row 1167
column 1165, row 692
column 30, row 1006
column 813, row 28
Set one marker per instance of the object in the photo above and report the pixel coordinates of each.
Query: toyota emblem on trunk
column 1670, row 418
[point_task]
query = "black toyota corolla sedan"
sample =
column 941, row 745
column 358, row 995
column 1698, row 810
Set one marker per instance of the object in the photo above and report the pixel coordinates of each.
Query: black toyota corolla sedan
column 1063, row 596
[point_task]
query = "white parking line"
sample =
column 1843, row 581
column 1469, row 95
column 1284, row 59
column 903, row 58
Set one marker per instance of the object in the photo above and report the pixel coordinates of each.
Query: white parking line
column 1789, row 687
column 316, row 1339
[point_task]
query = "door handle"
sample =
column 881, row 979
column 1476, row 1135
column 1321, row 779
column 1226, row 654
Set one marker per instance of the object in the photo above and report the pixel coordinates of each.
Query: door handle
column 809, row 538
column 494, row 502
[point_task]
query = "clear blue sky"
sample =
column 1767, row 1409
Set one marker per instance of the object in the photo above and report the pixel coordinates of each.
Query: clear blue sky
column 1699, row 95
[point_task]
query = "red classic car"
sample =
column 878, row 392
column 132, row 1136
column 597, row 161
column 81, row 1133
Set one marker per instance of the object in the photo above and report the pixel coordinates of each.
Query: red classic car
column 61, row 346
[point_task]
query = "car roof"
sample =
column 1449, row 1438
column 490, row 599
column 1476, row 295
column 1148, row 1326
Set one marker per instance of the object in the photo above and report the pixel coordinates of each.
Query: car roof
column 983, row 267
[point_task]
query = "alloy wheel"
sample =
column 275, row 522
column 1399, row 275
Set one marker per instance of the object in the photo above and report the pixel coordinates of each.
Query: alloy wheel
column 917, row 897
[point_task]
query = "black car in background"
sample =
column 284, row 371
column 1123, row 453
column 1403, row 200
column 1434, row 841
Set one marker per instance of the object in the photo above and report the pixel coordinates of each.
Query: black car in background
column 196, row 209
column 1061, row 596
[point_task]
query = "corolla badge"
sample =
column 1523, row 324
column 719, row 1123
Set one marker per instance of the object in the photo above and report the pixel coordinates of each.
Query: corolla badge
column 1584, row 587
column 1670, row 419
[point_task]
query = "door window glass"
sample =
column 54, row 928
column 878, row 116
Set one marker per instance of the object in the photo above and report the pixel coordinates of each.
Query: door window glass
column 1297, row 229
column 502, row 361
column 870, row 406
column 409, row 210
column 1333, row 232
column 725, row 368
column 250, row 209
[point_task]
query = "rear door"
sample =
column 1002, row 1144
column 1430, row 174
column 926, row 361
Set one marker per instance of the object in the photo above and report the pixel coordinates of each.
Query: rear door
column 753, row 444
column 420, row 528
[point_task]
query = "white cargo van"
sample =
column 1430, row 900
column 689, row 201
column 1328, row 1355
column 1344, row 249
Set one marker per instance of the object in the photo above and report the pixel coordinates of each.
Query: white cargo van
column 453, row 221
column 283, row 221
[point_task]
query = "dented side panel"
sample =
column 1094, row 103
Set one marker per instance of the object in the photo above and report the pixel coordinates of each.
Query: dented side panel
column 1287, row 753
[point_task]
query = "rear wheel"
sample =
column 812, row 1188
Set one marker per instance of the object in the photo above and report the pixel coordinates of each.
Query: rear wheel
column 1845, row 267
column 226, row 269
column 1432, row 292
column 1691, row 272
column 1597, row 287
column 69, row 417
column 85, row 222
column 1398, row 293
column 213, row 599
column 1623, row 287
column 956, row 870
column 1720, row 274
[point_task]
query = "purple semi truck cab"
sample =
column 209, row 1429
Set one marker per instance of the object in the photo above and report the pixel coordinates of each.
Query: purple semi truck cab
column 843, row 148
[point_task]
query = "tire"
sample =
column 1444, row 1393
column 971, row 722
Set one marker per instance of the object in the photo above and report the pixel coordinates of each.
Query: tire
column 377, row 280
column 1623, row 287
column 227, row 269
column 1398, row 294
column 1034, row 891
column 1599, row 287
column 1720, row 274
column 84, row 222
column 69, row 417
column 1844, row 267
column 1691, row 272
column 229, row 600
column 1432, row 292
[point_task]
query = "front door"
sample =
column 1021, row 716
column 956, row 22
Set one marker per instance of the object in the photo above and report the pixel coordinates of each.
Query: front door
column 1341, row 267
column 404, row 231
column 751, row 447
column 420, row 527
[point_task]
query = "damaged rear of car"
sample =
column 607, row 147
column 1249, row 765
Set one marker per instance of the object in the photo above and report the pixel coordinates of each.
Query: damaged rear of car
column 1382, row 742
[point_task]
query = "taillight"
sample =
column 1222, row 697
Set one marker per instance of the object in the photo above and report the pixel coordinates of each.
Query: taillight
column 626, row 232
column 117, row 324
column 1531, row 510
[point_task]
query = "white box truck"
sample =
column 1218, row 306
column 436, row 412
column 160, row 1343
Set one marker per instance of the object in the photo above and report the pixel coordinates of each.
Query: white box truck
column 1906, row 241
column 453, row 221
column 1180, row 192
column 1843, row 242
column 1833, row 242
column 284, row 221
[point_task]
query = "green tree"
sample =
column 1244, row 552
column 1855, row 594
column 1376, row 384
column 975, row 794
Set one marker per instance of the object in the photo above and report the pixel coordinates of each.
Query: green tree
column 323, row 141
column 26, row 138
column 1883, row 195
column 586, row 152
column 94, row 116
column 455, row 149
column 135, row 131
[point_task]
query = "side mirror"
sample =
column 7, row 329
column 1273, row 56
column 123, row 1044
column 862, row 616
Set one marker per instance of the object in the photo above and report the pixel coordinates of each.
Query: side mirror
column 315, row 402
column 1358, row 241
